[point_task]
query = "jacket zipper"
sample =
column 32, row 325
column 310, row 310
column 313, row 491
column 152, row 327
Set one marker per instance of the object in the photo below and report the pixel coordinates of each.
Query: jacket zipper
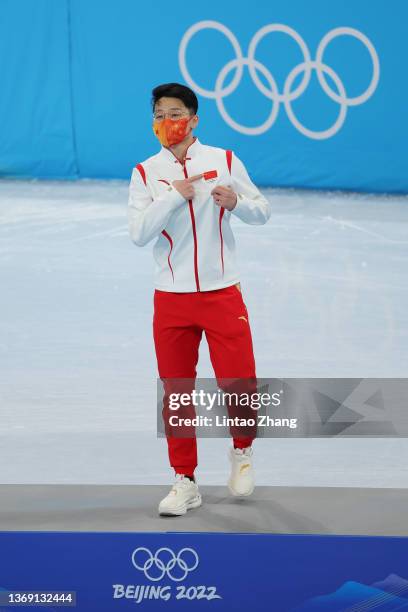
column 190, row 205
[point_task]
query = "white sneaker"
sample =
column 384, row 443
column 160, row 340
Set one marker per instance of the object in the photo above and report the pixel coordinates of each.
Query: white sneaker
column 183, row 496
column 241, row 482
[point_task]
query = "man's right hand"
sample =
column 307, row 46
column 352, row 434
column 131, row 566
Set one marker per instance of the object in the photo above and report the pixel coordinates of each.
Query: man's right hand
column 185, row 187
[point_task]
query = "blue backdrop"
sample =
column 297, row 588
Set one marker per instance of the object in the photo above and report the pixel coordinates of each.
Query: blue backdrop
column 199, row 571
column 305, row 94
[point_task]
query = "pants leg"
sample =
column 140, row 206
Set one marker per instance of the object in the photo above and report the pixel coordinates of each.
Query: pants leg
column 229, row 338
column 177, row 341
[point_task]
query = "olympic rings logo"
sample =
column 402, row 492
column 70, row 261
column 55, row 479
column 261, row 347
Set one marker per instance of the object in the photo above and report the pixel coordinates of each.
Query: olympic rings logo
column 288, row 95
column 165, row 561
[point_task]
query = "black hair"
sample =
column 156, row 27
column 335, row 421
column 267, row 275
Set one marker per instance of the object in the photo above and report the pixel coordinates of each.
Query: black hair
column 176, row 90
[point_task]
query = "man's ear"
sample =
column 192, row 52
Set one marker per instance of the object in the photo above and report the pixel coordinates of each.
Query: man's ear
column 195, row 121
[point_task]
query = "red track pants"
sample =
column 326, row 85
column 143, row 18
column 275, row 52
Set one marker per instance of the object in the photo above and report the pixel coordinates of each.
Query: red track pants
column 178, row 323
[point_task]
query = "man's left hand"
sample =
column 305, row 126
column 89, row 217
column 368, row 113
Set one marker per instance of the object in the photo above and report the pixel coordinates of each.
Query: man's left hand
column 224, row 196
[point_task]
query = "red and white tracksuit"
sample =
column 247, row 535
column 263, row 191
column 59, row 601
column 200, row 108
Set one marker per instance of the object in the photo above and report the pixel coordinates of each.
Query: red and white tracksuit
column 196, row 278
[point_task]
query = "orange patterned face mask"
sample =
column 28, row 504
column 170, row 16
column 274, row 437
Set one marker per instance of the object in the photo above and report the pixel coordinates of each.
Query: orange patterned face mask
column 171, row 132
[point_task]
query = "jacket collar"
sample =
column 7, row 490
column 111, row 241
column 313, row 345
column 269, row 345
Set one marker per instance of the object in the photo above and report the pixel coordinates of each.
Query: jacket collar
column 191, row 152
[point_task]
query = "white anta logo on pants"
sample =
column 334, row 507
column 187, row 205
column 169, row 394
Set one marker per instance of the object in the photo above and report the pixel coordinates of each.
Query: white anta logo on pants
column 288, row 95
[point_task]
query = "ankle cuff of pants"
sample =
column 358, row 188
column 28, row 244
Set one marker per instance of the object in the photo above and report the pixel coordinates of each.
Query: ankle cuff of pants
column 184, row 470
column 242, row 442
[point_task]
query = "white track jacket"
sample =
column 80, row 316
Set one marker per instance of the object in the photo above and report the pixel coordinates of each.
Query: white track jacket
column 195, row 247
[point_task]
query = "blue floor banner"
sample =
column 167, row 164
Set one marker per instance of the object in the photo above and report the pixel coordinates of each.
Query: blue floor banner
column 98, row 572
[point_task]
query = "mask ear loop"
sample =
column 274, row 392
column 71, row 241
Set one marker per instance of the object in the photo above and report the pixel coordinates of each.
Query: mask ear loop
column 192, row 117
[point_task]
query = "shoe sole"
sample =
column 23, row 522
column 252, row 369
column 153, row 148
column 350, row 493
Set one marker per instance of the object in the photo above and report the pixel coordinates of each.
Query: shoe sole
column 181, row 510
column 236, row 494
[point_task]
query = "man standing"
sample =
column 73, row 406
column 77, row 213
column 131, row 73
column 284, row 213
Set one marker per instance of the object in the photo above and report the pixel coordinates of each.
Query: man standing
column 184, row 197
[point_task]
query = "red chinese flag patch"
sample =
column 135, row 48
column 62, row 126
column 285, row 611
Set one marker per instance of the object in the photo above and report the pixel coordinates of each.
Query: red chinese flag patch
column 210, row 174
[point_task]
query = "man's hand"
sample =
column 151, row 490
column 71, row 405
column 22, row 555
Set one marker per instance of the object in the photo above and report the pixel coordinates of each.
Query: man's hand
column 224, row 196
column 185, row 186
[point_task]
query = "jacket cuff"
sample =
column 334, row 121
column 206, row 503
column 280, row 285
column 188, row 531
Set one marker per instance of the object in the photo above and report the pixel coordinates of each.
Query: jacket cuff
column 173, row 197
column 240, row 208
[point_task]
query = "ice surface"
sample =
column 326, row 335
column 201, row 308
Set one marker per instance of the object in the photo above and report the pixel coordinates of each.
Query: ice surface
column 325, row 283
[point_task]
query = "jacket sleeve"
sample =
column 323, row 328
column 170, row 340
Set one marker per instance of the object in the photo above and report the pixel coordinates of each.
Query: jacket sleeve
column 251, row 207
column 148, row 216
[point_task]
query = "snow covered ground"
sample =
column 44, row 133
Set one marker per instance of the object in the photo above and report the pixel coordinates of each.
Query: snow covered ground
column 325, row 282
